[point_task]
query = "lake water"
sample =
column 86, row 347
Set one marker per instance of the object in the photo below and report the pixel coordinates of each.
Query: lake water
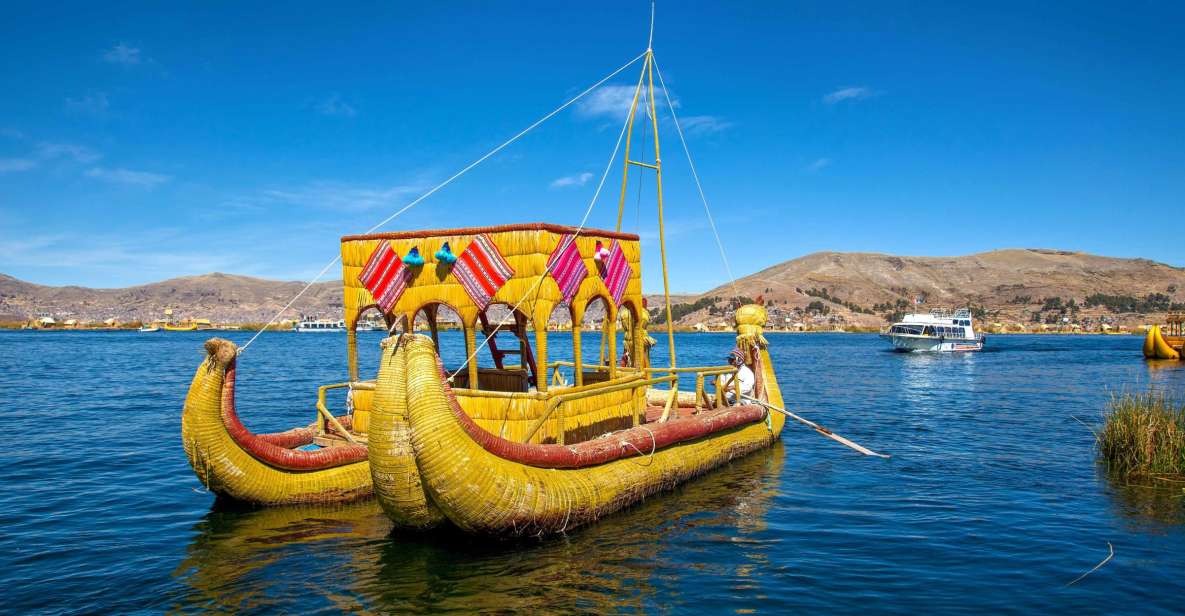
column 993, row 499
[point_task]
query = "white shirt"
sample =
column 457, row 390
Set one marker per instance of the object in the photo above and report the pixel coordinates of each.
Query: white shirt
column 746, row 380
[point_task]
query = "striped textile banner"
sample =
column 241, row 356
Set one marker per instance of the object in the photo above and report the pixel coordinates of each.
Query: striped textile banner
column 481, row 270
column 617, row 272
column 384, row 276
column 567, row 267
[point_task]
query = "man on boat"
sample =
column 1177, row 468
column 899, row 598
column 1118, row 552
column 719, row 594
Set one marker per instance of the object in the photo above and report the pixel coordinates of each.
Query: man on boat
column 743, row 378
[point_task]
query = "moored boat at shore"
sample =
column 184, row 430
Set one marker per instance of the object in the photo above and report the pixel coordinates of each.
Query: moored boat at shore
column 1166, row 342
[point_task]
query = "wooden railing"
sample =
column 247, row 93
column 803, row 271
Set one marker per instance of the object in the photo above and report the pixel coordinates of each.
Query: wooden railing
column 635, row 382
column 323, row 414
column 701, row 397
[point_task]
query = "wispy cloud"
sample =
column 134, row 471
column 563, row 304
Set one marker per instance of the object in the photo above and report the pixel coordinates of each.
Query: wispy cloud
column 337, row 196
column 143, row 179
column 9, row 165
column 78, row 153
column 94, row 103
column 697, row 126
column 614, row 101
column 850, row 93
column 817, row 165
column 152, row 254
column 12, row 133
column 569, row 181
column 45, row 152
column 123, row 54
column 336, row 106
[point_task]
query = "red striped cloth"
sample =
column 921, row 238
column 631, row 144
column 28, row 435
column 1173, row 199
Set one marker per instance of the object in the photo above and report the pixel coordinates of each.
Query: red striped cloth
column 567, row 267
column 481, row 270
column 384, row 276
column 617, row 272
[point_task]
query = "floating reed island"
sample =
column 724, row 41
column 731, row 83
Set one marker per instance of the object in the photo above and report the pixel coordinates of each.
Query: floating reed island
column 1144, row 434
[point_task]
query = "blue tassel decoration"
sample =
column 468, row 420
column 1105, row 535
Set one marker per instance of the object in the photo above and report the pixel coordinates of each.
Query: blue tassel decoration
column 445, row 255
column 413, row 258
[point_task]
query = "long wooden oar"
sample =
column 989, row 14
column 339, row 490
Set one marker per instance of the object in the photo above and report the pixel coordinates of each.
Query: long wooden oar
column 817, row 428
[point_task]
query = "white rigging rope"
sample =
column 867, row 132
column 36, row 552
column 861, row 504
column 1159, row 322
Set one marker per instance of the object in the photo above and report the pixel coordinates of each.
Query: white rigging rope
column 698, row 186
column 441, row 185
column 547, row 270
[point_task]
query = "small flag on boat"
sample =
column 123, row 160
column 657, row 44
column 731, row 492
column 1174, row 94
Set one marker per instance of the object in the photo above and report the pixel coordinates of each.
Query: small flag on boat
column 567, row 267
column 617, row 272
column 384, row 276
column 481, row 270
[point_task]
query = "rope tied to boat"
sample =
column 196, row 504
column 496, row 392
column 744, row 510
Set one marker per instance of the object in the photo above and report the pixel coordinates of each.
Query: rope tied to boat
column 653, row 447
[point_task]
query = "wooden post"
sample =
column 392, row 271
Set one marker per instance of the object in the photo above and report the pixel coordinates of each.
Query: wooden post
column 662, row 242
column 610, row 330
column 578, row 362
column 352, row 351
column 471, row 352
column 540, row 314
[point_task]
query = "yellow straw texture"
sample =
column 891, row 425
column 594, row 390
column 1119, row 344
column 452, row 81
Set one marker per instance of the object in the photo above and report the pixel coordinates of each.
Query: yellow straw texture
column 226, row 469
column 482, row 493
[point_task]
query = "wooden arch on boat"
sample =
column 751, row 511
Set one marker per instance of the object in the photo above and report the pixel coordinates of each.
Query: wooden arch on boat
column 525, row 247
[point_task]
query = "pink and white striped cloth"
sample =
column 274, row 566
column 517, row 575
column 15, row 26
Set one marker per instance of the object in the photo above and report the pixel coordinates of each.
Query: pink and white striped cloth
column 617, row 272
column 481, row 270
column 567, row 267
column 384, row 276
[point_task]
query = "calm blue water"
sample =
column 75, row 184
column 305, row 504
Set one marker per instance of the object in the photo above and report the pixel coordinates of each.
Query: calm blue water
column 992, row 500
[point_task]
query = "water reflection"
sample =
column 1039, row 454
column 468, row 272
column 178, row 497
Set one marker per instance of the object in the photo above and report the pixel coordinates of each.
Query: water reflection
column 237, row 556
column 1141, row 500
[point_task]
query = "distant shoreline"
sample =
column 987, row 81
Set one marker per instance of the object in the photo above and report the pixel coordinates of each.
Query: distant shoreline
column 654, row 331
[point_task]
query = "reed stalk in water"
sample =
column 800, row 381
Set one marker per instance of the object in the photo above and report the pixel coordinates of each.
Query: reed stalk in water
column 1144, row 434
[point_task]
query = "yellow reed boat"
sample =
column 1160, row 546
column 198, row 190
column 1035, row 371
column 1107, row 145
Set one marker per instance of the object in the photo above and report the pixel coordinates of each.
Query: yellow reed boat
column 1167, row 342
column 524, row 447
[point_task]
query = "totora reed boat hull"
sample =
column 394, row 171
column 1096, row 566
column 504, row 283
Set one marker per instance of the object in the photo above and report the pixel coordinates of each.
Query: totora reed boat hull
column 431, row 464
column 264, row 469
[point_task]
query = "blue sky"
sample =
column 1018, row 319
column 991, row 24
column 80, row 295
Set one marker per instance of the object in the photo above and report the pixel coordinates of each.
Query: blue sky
column 140, row 142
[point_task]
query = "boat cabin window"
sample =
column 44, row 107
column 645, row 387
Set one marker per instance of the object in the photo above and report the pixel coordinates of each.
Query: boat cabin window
column 508, row 362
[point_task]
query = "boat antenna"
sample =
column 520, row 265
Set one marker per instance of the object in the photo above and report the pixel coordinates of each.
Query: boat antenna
column 650, row 42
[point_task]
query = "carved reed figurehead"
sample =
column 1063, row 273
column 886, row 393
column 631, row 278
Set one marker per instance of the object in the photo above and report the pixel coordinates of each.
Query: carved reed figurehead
column 750, row 323
column 221, row 351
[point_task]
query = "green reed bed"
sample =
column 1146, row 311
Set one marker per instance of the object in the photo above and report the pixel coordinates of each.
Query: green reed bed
column 1144, row 434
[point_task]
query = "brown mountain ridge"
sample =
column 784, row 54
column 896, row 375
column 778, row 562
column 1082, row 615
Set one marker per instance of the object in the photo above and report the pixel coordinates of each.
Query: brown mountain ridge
column 824, row 287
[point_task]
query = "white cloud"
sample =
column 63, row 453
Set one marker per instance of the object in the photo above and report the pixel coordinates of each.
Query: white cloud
column 122, row 54
column 142, row 179
column 337, row 196
column 152, row 254
column 615, row 100
column 48, row 152
column 94, row 103
column 8, row 165
column 78, row 153
column 852, row 93
column 700, row 125
column 818, row 165
column 568, row 181
column 335, row 106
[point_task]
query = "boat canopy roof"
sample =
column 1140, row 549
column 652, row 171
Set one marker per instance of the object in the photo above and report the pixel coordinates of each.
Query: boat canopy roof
column 525, row 247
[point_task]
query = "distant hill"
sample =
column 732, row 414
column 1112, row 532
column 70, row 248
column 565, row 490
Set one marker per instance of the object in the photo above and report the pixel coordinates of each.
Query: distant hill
column 823, row 288
column 1006, row 285
column 218, row 297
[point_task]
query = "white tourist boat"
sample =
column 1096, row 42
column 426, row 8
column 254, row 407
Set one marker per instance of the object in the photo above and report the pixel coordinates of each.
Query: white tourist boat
column 311, row 325
column 940, row 330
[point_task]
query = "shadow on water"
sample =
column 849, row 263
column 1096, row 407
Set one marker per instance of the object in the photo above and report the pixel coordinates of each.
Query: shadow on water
column 237, row 555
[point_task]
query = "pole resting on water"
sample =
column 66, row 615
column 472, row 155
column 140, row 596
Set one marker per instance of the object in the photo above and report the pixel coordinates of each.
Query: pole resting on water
column 817, row 428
